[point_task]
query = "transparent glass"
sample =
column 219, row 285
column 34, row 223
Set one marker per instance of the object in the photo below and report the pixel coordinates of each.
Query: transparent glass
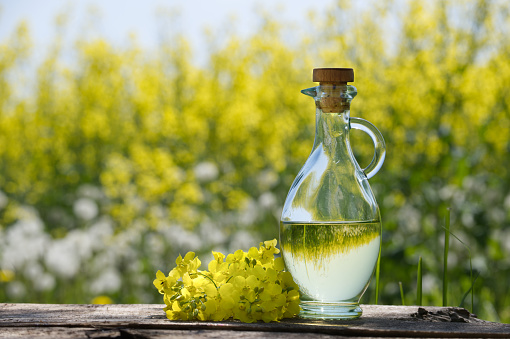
column 330, row 229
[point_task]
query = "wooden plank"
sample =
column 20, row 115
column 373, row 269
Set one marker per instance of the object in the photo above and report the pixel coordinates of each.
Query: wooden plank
column 92, row 333
column 56, row 332
column 377, row 321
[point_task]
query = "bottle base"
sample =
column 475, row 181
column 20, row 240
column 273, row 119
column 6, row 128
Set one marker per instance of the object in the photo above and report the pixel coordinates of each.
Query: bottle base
column 329, row 310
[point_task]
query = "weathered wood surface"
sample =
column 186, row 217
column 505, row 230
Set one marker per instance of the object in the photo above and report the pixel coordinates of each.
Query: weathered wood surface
column 148, row 321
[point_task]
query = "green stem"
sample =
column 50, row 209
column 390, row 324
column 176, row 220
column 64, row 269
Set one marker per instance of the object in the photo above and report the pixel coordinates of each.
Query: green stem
column 419, row 283
column 470, row 290
column 445, row 257
column 401, row 292
column 470, row 274
column 377, row 272
column 472, row 286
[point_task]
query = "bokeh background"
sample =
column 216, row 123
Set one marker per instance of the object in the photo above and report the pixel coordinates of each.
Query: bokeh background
column 119, row 151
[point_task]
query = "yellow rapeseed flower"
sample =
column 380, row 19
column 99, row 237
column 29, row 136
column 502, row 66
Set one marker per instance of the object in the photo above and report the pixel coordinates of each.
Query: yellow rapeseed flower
column 238, row 286
column 102, row 300
column 6, row 275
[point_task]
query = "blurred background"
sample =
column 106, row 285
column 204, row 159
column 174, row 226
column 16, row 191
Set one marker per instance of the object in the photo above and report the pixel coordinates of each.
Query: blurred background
column 130, row 133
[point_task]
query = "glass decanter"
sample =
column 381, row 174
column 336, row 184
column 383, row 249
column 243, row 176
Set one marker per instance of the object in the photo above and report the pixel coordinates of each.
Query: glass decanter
column 330, row 229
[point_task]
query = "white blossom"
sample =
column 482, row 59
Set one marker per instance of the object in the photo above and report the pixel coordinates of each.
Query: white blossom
column 85, row 208
column 108, row 281
column 267, row 200
column 206, row 171
column 63, row 258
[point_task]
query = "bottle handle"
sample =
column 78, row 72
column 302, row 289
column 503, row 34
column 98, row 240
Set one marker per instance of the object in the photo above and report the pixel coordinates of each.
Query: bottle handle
column 379, row 145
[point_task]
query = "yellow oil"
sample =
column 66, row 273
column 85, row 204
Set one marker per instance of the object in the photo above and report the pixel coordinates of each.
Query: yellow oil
column 330, row 262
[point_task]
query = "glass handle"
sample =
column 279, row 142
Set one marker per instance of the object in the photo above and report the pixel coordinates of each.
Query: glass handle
column 379, row 145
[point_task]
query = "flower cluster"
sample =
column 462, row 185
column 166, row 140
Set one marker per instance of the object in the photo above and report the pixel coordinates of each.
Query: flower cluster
column 247, row 286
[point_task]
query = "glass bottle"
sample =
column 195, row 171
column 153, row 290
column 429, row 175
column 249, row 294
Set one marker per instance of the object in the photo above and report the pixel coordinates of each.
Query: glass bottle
column 330, row 229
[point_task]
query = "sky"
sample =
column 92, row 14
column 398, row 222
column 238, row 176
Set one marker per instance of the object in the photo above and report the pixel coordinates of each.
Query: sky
column 117, row 19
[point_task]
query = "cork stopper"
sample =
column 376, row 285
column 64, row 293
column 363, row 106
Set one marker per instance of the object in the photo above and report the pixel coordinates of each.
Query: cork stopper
column 333, row 81
column 333, row 75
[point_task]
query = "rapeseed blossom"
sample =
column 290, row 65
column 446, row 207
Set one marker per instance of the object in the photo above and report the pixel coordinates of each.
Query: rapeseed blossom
column 248, row 286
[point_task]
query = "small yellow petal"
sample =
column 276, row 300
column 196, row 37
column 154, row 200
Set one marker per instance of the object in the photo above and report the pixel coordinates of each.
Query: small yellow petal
column 252, row 281
column 160, row 275
column 226, row 290
column 189, row 256
column 253, row 253
column 239, row 254
column 279, row 264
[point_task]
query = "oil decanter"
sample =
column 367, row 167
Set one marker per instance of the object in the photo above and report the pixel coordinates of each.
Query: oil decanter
column 330, row 228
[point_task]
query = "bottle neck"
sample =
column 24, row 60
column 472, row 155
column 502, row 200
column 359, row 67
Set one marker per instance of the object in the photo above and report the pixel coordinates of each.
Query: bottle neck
column 332, row 132
column 332, row 118
column 333, row 97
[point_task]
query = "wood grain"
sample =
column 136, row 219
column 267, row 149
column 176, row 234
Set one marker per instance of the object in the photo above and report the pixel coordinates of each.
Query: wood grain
column 148, row 321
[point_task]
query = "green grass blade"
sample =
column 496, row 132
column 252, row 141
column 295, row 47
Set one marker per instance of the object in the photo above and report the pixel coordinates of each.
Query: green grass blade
column 401, row 292
column 377, row 271
column 467, row 292
column 419, row 283
column 445, row 257
column 470, row 273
